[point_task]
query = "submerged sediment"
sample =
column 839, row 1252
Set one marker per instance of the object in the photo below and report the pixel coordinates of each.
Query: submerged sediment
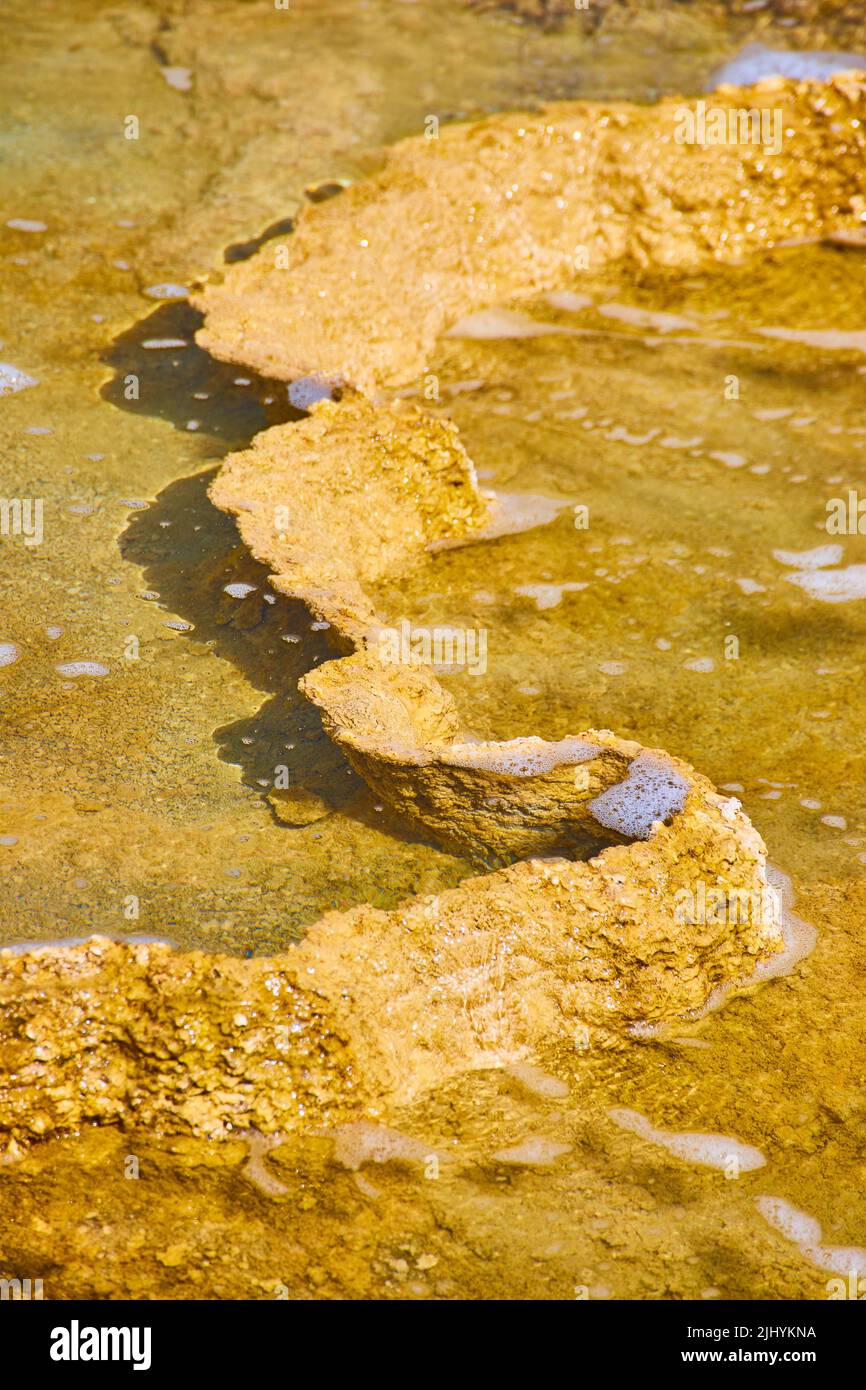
column 580, row 939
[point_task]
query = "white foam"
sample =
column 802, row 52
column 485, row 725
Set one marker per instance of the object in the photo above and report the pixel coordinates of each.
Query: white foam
column 501, row 323
column 651, row 791
column 810, row 559
column 73, row 669
column 20, row 948
column 534, row 1151
column 831, row 339
column 548, row 595
column 646, row 318
column 756, row 61
column 167, row 291
column 521, row 757
column 255, row 1168
column 307, row 390
column 26, row 224
column 13, row 379
column 798, row 935
column 805, row 1232
column 539, row 1082
column 569, row 301
column 513, row 512
column 8, row 653
column 361, row 1141
column 833, row 586
column 239, row 590
column 711, row 1150
column 178, row 78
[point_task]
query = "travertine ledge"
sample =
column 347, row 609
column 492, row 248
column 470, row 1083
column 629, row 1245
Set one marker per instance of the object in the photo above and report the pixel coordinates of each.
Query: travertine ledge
column 513, row 205
column 581, row 941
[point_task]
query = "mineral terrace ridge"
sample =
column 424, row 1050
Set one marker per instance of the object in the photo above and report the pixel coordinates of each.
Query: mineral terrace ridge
column 374, row 1007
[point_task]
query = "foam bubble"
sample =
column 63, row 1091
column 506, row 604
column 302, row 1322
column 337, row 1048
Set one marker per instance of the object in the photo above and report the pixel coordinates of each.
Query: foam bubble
column 832, row 339
column 239, row 590
column 646, row 318
column 501, row 323
column 798, row 935
column 832, row 586
column 569, row 301
column 757, row 61
column 307, row 390
column 20, row 948
column 13, row 379
column 651, row 791
column 810, row 559
column 167, row 291
column 255, row 1169
column 26, row 224
column 179, row 78
column 521, row 757
column 805, row 1232
column 538, row 1081
column 362, row 1141
column 512, row 512
column 548, row 595
column 8, row 653
column 532, row 1151
column 81, row 668
column 711, row 1150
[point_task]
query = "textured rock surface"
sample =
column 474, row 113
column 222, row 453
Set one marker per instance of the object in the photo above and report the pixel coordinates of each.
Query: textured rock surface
column 337, row 502
column 507, row 206
column 374, row 1007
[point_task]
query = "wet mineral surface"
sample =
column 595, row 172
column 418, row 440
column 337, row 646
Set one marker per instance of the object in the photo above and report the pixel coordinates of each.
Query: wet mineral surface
column 137, row 779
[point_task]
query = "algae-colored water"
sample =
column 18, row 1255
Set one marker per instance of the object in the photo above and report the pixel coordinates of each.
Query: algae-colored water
column 134, row 802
